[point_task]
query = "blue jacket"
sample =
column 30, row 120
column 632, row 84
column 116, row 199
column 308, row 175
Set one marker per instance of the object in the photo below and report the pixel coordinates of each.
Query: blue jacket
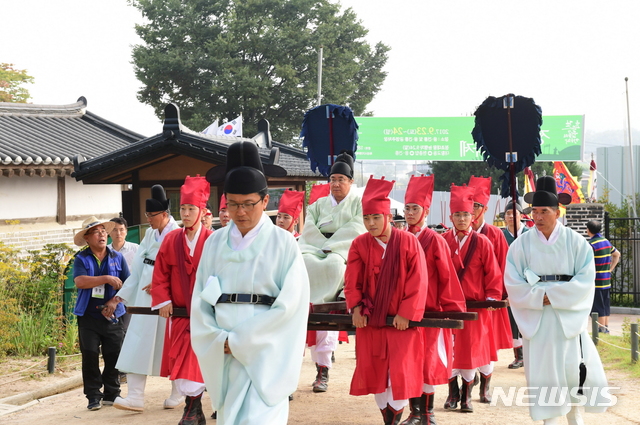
column 116, row 266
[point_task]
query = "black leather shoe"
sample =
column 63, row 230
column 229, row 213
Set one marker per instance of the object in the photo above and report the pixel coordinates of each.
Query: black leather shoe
column 94, row 404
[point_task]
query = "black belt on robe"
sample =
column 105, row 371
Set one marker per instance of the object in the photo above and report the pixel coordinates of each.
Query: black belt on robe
column 246, row 299
column 555, row 278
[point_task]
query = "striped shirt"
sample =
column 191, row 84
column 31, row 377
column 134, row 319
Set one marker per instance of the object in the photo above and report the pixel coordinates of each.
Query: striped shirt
column 602, row 250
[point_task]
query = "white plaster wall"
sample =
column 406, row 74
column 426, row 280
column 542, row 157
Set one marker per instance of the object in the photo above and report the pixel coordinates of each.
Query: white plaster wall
column 28, row 197
column 35, row 197
column 92, row 199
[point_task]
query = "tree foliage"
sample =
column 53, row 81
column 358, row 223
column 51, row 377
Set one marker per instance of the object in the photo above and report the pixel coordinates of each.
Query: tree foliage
column 217, row 59
column 458, row 172
column 11, row 84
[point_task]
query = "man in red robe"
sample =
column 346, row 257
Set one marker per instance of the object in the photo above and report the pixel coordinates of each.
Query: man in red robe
column 172, row 286
column 444, row 294
column 481, row 279
column 500, row 317
column 386, row 275
column 289, row 209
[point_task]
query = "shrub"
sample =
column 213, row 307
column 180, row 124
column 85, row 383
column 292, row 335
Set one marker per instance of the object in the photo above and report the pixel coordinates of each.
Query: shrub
column 35, row 285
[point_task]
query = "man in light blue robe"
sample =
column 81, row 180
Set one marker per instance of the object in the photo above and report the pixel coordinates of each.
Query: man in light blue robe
column 549, row 278
column 250, row 305
column 141, row 352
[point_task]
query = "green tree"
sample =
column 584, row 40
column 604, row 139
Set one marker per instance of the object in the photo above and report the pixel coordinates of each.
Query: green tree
column 11, row 81
column 217, row 59
column 458, row 172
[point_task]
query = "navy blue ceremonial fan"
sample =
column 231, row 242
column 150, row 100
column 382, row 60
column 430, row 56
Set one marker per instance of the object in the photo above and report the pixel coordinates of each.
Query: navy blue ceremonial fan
column 507, row 132
column 327, row 130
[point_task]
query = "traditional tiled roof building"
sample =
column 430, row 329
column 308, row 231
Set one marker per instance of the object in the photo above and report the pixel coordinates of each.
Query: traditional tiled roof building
column 90, row 166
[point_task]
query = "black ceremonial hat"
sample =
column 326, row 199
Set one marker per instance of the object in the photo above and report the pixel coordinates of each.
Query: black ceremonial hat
column 158, row 200
column 546, row 194
column 343, row 165
column 245, row 174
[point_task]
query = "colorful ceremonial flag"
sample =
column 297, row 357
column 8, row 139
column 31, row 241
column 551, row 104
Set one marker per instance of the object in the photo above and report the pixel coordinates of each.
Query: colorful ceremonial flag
column 529, row 181
column 591, row 188
column 212, row 130
column 566, row 183
column 231, row 128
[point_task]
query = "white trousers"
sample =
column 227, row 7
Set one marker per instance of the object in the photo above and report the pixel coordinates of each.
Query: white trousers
column 326, row 343
column 189, row 388
column 382, row 399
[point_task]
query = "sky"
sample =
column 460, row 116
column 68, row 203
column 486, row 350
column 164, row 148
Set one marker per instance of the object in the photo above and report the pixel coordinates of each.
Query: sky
column 446, row 57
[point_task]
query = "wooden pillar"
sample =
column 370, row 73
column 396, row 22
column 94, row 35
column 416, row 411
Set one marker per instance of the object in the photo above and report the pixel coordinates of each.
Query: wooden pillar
column 61, row 208
column 135, row 197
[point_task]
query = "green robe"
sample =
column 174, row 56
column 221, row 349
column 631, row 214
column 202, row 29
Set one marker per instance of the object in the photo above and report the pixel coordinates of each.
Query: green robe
column 326, row 270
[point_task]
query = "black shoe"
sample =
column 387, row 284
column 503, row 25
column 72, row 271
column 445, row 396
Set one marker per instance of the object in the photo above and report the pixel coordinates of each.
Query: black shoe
column 214, row 415
column 94, row 404
column 322, row 379
column 485, row 393
column 290, row 397
column 454, row 394
column 193, row 414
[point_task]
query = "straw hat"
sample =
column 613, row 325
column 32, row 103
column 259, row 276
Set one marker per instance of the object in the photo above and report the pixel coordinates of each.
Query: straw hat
column 89, row 224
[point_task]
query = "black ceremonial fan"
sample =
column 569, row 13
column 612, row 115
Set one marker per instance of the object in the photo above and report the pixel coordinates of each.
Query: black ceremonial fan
column 508, row 124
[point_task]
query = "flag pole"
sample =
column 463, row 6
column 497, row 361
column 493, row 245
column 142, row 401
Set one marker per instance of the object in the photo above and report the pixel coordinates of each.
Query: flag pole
column 632, row 174
column 319, row 76
column 508, row 103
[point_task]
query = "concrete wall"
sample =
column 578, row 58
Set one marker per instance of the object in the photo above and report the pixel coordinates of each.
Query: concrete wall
column 28, row 197
column 28, row 209
column 37, row 239
column 37, row 197
column 614, row 175
column 92, row 199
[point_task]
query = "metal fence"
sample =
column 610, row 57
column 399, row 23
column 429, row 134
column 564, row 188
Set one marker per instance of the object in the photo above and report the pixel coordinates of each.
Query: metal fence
column 624, row 234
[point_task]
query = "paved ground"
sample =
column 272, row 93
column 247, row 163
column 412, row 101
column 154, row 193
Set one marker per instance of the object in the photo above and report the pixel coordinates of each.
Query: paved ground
column 335, row 407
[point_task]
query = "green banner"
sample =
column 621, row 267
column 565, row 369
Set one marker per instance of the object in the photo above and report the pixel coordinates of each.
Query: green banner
column 449, row 138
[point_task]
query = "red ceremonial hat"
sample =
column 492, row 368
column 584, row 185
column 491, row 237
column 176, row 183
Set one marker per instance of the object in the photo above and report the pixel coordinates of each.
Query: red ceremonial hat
column 291, row 203
column 223, row 202
column 419, row 191
column 482, row 187
column 461, row 199
column 195, row 191
column 375, row 199
column 319, row 191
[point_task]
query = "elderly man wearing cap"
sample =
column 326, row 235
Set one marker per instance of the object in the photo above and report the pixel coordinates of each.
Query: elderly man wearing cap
column 481, row 279
column 386, row 276
column 207, row 218
column 514, row 229
column 250, row 303
column 289, row 210
column 332, row 223
column 141, row 353
column 549, row 276
column 98, row 273
column 223, row 213
column 174, row 275
column 444, row 294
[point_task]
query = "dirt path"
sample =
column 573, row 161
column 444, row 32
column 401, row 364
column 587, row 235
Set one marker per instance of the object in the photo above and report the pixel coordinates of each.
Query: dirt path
column 335, row 407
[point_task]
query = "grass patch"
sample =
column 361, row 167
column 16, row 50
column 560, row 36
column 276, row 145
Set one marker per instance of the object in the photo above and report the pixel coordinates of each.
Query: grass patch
column 615, row 358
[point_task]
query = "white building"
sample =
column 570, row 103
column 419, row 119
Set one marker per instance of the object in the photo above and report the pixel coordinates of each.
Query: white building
column 40, row 202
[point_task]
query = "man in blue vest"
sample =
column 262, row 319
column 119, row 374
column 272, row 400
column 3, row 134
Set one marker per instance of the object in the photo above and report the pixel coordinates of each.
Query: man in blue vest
column 98, row 273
